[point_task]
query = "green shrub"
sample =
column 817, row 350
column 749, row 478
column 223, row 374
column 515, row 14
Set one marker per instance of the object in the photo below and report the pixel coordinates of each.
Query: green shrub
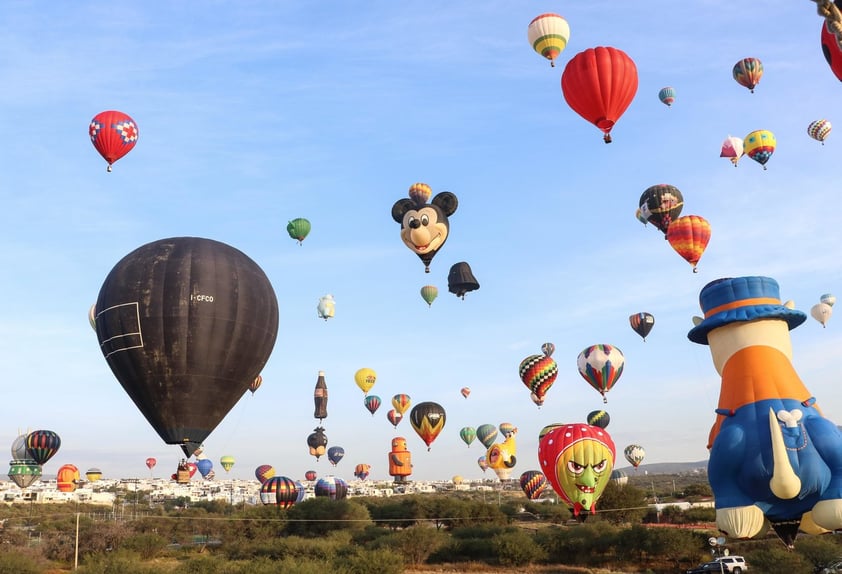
column 118, row 562
column 379, row 561
column 20, row 563
column 517, row 548
column 147, row 545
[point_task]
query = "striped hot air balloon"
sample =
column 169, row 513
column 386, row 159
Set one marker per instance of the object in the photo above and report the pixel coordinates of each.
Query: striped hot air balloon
column 747, row 72
column 548, row 35
column 533, row 483
column 601, row 366
column 667, row 95
column 689, row 235
column 819, row 130
column 759, row 145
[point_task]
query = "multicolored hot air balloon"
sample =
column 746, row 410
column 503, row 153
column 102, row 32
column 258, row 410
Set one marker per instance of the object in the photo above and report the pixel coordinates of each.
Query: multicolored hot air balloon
column 429, row 294
column 42, row 445
column 601, row 366
column 759, row 145
column 264, row 472
column 468, row 435
column 533, row 483
column 747, row 72
column 93, row 474
column 428, row 419
column 642, row 323
column 401, row 402
column 482, row 463
column 24, row 472
column 114, row 134
column 335, row 454
column 332, row 487
column 732, row 148
column 667, row 95
column 577, row 460
column 599, row 84
column 227, row 462
column 538, row 373
column 372, row 403
column 487, row 434
column 255, row 384
column 689, row 235
column 394, row 417
column 661, row 204
column 819, row 130
column 365, row 379
column 420, row 193
column 279, row 491
column 362, row 471
column 465, row 392
column 67, row 478
column 299, row 229
column 635, row 454
column 548, row 35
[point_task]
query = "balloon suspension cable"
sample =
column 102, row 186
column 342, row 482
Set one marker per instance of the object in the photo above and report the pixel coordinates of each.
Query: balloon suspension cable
column 832, row 18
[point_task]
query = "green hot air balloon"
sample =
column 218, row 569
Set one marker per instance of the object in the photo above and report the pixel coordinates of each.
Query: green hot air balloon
column 227, row 462
column 468, row 435
column 298, row 228
column 186, row 324
column 487, row 433
column 429, row 293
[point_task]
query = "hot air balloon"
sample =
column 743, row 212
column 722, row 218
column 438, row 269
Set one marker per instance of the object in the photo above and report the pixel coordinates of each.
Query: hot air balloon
column 642, row 323
column 151, row 462
column 310, row 475
column 661, row 204
column 42, row 445
column 192, row 468
column 255, row 384
column 456, row 480
column 468, row 435
column 501, row 456
column 546, row 429
column 667, row 95
column 759, row 145
column 298, row 228
column 114, row 134
column 598, row 419
column 638, row 214
column 425, row 227
column 747, row 72
column 227, row 462
column 400, row 460
column 365, row 379
column 394, row 417
column 320, row 397
column 601, row 366
column 635, row 454
column 821, row 312
column 326, row 307
column 186, row 324
column 317, row 442
column 279, row 491
column 482, row 463
column 689, row 235
column 205, row 466
column 533, row 483
column 362, row 471
column 577, row 460
column 461, row 280
column 819, row 130
column 372, row 403
column 420, row 193
column 538, row 373
column 335, row 454
column 401, row 402
column 548, row 349
column 19, row 452
column 465, row 392
column 830, row 46
column 24, row 472
column 599, row 84
column 332, row 487
column 93, row 474
column 429, row 294
column 67, row 478
column 732, row 148
column 428, row 419
column 619, row 477
column 487, row 434
column 828, row 299
column 548, row 35
column 264, row 472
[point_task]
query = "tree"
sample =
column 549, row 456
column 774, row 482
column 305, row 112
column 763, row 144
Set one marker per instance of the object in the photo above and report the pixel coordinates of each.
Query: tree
column 622, row 504
column 319, row 516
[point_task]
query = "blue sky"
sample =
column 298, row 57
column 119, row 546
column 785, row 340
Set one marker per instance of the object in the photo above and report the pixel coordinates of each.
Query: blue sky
column 253, row 113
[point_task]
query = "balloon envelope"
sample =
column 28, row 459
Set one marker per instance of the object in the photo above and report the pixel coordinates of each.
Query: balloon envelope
column 828, row 299
column 468, row 435
column 759, row 145
column 24, row 472
column 372, row 403
column 365, row 379
column 394, row 417
column 821, row 312
column 465, row 391
column 533, row 483
column 401, row 402
column 819, row 130
column 93, row 474
column 429, row 293
column 747, row 72
column 487, row 433
column 667, row 95
column 635, row 454
column 186, row 324
column 299, row 229
column 538, row 373
column 335, row 454
column 732, row 148
column 42, row 445
column 67, row 478
column 548, row 35
column 205, row 465
column 114, row 134
column 279, row 491
column 227, row 462
column 255, row 384
column 642, row 323
column 332, row 487
column 264, row 472
column 689, row 236
column 661, row 204
column 428, row 419
column 601, row 366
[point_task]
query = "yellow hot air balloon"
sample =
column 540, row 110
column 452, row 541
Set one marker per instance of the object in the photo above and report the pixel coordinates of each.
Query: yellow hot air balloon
column 759, row 145
column 548, row 35
column 365, row 379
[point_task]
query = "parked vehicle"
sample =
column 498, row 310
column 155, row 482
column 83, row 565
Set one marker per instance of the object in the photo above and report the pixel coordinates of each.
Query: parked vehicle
column 722, row 564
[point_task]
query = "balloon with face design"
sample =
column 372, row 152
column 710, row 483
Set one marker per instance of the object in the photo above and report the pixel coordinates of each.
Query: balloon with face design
column 425, row 227
column 577, row 459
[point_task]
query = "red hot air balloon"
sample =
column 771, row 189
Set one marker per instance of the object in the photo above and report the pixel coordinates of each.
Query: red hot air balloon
column 114, row 134
column 151, row 462
column 689, row 236
column 599, row 84
column 310, row 475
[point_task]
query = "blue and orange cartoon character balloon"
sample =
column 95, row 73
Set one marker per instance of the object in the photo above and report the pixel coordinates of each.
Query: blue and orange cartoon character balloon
column 425, row 226
column 577, row 459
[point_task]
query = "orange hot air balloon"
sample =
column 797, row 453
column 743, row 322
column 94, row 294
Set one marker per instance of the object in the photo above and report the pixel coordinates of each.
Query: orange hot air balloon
column 599, row 84
column 67, row 478
column 689, row 236
column 255, row 384
column 401, row 402
column 465, row 392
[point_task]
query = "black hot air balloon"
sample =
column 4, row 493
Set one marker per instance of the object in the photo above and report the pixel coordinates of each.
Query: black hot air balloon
column 642, row 323
column 660, row 205
column 42, row 445
column 186, row 324
column 461, row 280
column 317, row 442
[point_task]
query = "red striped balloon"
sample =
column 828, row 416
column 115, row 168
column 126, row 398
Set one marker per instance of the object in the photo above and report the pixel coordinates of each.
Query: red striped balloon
column 689, row 236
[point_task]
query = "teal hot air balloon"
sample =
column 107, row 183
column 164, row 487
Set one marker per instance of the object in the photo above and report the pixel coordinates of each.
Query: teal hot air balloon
column 299, row 229
column 372, row 403
column 468, row 435
column 667, row 96
column 487, row 434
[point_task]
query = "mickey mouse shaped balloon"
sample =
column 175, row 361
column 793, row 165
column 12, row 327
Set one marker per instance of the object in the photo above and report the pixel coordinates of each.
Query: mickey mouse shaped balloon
column 424, row 226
